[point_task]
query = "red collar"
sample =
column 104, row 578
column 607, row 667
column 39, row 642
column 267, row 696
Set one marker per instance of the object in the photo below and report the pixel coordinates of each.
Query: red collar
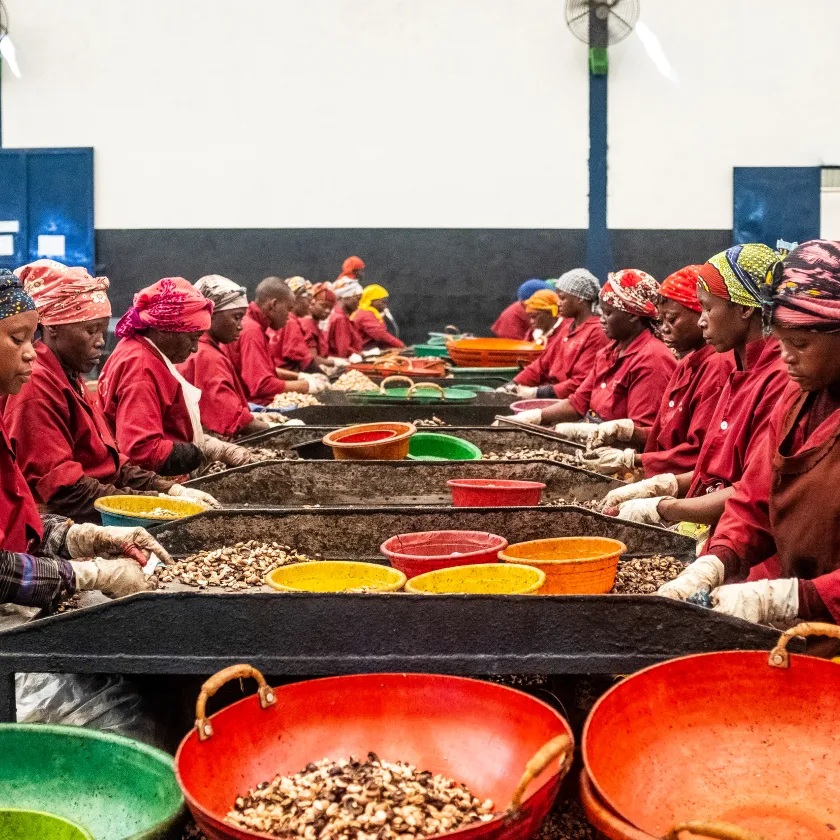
column 256, row 314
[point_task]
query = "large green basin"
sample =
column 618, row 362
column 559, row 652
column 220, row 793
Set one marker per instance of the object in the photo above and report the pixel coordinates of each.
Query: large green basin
column 115, row 787
column 433, row 446
column 17, row 824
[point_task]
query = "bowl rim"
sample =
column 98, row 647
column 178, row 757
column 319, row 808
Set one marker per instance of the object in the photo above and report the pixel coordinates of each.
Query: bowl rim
column 279, row 587
column 400, row 555
column 535, row 587
column 621, row 548
column 498, row 484
column 358, row 428
column 102, row 506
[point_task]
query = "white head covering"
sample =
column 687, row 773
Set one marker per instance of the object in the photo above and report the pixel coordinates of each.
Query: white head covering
column 224, row 293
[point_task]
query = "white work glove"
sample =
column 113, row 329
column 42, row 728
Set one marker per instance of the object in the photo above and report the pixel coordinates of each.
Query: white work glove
column 355, row 359
column 606, row 460
column 294, row 422
column 705, row 574
column 508, row 388
column 190, row 494
column 93, row 541
column 773, row 602
column 114, row 578
column 612, row 431
column 526, row 392
column 374, row 351
column 643, row 511
column 659, row 485
column 317, row 382
column 338, row 363
column 532, row 416
column 230, row 454
column 578, row 432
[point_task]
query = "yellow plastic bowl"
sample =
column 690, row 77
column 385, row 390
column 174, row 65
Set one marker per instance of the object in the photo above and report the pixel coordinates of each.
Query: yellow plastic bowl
column 479, row 579
column 572, row 565
column 335, row 576
column 131, row 511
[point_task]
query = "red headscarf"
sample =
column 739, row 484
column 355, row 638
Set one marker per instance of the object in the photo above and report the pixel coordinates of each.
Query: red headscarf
column 322, row 291
column 350, row 266
column 681, row 286
column 632, row 291
column 171, row 305
column 65, row 295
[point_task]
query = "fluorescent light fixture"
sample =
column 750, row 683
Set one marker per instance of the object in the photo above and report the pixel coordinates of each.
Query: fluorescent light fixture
column 655, row 52
column 8, row 53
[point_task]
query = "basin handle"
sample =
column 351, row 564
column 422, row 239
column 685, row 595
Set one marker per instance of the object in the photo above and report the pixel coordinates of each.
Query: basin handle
column 559, row 747
column 451, row 329
column 779, row 656
column 428, row 386
column 265, row 692
column 720, row 830
column 394, row 362
column 394, row 379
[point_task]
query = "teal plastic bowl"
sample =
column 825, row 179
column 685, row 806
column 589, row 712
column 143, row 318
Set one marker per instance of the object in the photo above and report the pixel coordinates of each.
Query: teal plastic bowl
column 433, row 446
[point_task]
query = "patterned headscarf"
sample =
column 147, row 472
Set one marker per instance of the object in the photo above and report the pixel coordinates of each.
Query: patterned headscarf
column 65, row 295
column 579, row 282
column 737, row 273
column 13, row 299
column 543, row 301
column 347, row 287
column 171, row 305
column 323, row 291
column 224, row 293
column 350, row 266
column 632, row 291
column 681, row 286
column 299, row 286
column 529, row 287
column 804, row 290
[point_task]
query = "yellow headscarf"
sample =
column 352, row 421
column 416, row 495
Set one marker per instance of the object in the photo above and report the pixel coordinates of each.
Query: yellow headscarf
column 543, row 300
column 369, row 295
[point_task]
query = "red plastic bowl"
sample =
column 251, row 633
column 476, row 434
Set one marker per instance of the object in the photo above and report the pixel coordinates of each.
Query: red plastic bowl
column 368, row 437
column 427, row 551
column 527, row 405
column 494, row 492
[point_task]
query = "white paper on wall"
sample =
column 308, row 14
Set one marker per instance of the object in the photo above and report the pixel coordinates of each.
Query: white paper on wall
column 50, row 245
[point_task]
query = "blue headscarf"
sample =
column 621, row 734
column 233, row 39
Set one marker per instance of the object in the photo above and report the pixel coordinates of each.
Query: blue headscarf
column 13, row 299
column 529, row 287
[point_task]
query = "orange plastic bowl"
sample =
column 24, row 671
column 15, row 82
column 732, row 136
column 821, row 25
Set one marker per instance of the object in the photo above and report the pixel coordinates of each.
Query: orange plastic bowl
column 572, row 565
column 492, row 352
column 371, row 441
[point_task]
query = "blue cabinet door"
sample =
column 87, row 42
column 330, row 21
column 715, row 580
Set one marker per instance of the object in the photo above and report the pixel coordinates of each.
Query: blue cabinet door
column 13, row 215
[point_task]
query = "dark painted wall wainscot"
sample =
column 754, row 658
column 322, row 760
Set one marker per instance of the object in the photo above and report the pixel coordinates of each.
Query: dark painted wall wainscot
column 435, row 276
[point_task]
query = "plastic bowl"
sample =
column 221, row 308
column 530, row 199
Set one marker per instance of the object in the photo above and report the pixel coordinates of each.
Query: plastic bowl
column 427, row 551
column 481, row 579
column 494, row 492
column 18, row 824
column 334, row 576
column 432, row 446
column 371, row 441
column 572, row 565
column 134, row 511
column 528, row 405
column 492, row 352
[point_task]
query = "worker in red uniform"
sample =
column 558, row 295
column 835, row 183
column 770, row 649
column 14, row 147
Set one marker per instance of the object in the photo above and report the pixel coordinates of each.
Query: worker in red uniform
column 369, row 320
column 514, row 321
column 572, row 341
column 263, row 380
column 630, row 373
column 77, row 461
column 45, row 559
column 343, row 339
column 728, row 292
column 783, row 507
column 153, row 411
column 223, row 404
column 314, row 326
column 674, row 441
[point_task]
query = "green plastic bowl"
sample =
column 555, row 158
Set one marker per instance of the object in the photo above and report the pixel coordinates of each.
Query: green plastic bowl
column 16, row 824
column 119, row 789
column 431, row 350
column 432, row 446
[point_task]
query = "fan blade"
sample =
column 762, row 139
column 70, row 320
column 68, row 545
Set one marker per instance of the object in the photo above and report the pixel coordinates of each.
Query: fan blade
column 570, row 21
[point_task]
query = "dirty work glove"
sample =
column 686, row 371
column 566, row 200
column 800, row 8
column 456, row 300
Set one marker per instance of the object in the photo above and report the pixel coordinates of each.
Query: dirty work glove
column 355, row 359
column 337, row 363
column 705, row 574
column 525, row 392
column 317, row 382
column 230, row 454
column 613, row 431
column 374, row 351
column 773, row 602
column 606, row 460
column 114, row 578
column 659, row 485
column 93, row 541
column 578, row 432
column 508, row 388
column 190, row 494
column 643, row 511
column 532, row 416
column 293, row 422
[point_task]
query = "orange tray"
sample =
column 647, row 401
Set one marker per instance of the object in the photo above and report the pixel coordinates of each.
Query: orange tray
column 492, row 352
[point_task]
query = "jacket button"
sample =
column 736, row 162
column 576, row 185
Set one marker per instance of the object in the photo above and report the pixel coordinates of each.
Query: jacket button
column 671, row 404
column 603, row 384
column 724, row 425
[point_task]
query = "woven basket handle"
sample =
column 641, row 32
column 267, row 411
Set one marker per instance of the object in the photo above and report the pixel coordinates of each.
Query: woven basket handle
column 779, row 656
column 427, row 386
column 395, row 379
column 265, row 692
column 559, row 747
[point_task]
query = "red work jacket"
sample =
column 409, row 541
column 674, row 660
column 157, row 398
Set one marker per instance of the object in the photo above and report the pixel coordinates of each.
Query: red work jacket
column 224, row 407
column 143, row 403
column 688, row 404
column 740, row 418
column 252, row 360
column 568, row 357
column 629, row 385
column 373, row 331
column 314, row 336
column 513, row 323
column 786, row 505
column 59, row 432
column 342, row 337
column 20, row 523
column 294, row 351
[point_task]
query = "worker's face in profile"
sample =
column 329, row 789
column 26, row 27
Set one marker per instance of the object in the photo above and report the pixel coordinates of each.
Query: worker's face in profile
column 352, row 304
column 680, row 326
column 618, row 325
column 812, row 359
column 542, row 319
column 569, row 305
column 277, row 311
column 359, row 274
column 16, row 351
column 380, row 305
column 79, row 346
column 303, row 305
column 725, row 325
column 226, row 326
column 320, row 309
column 177, row 347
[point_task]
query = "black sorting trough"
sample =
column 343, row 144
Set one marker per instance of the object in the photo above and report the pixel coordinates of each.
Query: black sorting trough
column 473, row 414
column 359, row 483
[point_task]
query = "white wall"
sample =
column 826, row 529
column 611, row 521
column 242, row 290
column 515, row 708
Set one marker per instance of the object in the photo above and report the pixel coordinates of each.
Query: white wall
column 309, row 113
